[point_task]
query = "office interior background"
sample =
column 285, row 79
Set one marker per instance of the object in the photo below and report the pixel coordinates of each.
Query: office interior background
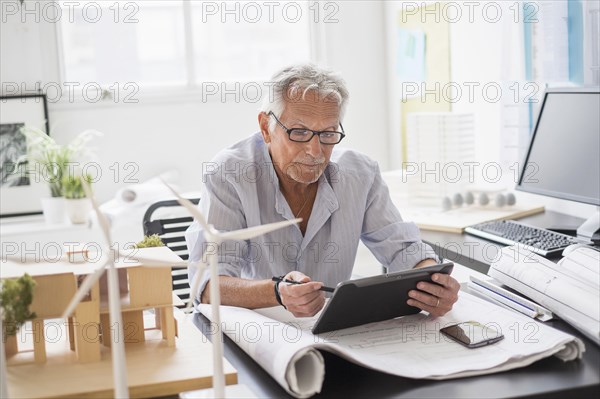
column 170, row 83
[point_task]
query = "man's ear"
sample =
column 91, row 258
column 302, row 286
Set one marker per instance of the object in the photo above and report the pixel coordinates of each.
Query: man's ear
column 263, row 122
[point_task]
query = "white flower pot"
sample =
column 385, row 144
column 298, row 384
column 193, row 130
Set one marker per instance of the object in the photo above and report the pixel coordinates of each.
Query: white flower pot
column 79, row 210
column 54, row 210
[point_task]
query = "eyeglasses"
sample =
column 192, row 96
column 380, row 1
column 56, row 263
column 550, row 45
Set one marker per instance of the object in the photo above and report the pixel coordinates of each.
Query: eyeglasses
column 301, row 135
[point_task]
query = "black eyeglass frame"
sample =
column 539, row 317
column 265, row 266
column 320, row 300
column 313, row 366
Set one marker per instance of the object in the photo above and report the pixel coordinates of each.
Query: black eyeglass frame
column 314, row 132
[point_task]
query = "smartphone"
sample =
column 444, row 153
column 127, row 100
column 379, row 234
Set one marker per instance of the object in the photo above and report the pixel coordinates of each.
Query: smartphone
column 472, row 334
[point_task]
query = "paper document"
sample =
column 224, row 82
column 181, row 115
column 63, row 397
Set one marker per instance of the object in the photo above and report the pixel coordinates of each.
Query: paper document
column 557, row 287
column 410, row 61
column 583, row 264
column 410, row 346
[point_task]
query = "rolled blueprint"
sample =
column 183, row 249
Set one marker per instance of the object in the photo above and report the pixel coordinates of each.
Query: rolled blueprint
column 283, row 351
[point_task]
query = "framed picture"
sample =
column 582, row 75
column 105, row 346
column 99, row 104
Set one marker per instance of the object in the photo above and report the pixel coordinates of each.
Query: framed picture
column 19, row 194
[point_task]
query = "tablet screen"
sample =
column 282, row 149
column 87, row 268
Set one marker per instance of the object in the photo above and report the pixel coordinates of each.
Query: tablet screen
column 371, row 299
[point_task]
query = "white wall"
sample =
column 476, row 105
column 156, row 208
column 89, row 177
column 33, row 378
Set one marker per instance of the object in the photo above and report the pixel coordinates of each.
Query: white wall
column 484, row 52
column 182, row 133
column 356, row 47
column 475, row 49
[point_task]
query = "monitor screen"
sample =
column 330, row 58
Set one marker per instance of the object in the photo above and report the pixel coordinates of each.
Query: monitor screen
column 563, row 158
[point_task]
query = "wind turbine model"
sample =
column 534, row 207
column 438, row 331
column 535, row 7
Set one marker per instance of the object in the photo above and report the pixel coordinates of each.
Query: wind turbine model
column 217, row 237
column 211, row 235
column 114, row 301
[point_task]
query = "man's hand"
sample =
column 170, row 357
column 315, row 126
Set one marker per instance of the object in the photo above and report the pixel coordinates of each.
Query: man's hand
column 303, row 300
column 437, row 299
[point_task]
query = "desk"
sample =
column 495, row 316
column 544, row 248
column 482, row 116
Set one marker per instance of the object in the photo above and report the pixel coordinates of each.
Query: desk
column 477, row 253
column 548, row 378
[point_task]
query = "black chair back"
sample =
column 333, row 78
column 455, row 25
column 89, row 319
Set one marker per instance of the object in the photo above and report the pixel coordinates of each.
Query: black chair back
column 171, row 231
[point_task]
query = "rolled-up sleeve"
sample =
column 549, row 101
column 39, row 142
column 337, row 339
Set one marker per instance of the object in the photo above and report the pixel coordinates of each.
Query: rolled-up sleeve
column 221, row 207
column 395, row 243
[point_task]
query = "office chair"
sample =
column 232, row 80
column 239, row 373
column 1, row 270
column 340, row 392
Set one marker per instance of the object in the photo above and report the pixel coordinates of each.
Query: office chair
column 170, row 220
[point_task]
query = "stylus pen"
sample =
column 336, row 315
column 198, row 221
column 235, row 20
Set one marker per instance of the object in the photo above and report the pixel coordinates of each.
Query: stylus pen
column 323, row 288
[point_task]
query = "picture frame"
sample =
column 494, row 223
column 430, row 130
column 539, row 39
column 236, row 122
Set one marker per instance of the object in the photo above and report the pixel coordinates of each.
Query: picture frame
column 20, row 196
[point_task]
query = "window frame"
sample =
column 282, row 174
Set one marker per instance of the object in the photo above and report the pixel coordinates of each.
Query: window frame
column 191, row 91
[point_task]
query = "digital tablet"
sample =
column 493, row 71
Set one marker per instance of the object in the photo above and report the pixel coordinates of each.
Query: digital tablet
column 376, row 298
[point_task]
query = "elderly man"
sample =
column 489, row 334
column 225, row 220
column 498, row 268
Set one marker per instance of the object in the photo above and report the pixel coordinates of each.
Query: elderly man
column 293, row 169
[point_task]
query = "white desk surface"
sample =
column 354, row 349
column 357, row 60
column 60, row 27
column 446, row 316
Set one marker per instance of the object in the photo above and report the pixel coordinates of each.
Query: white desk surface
column 12, row 268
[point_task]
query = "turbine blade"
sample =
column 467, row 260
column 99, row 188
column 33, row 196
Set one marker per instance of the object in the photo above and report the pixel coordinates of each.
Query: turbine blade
column 255, row 231
column 151, row 262
column 104, row 224
column 135, row 255
column 194, row 287
column 87, row 285
column 189, row 206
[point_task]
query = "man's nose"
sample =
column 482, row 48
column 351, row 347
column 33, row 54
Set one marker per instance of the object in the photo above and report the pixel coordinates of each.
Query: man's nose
column 313, row 146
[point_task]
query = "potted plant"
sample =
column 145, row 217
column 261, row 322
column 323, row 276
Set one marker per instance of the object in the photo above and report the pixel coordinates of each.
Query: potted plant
column 77, row 204
column 149, row 242
column 52, row 161
column 15, row 297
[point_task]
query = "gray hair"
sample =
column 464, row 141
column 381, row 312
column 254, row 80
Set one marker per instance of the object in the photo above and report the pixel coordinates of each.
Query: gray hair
column 295, row 81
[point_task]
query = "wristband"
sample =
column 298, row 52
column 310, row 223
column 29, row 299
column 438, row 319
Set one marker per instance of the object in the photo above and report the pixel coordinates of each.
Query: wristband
column 277, row 295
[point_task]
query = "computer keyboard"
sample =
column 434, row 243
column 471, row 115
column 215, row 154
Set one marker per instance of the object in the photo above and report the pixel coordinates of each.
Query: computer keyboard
column 541, row 241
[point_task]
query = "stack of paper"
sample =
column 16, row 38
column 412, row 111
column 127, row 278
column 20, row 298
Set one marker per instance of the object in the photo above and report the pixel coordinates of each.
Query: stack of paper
column 570, row 289
column 410, row 346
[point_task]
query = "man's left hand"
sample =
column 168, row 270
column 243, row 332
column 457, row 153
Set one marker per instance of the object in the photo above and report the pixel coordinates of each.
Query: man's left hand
column 438, row 298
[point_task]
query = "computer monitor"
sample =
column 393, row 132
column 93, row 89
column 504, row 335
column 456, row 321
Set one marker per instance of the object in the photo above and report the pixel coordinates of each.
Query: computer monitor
column 563, row 158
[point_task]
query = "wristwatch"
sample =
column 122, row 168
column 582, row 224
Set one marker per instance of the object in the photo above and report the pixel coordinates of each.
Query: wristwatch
column 277, row 294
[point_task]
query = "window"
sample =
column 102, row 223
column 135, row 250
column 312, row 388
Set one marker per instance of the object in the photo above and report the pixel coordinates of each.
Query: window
column 247, row 49
column 181, row 43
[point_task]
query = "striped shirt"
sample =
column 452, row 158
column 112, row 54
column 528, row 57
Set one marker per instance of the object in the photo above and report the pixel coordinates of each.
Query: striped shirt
column 241, row 189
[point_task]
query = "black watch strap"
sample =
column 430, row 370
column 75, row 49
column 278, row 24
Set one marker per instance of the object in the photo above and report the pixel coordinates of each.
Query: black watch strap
column 277, row 295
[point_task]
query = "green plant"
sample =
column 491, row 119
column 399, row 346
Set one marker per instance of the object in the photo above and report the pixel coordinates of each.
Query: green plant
column 54, row 159
column 15, row 297
column 72, row 186
column 150, row 241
